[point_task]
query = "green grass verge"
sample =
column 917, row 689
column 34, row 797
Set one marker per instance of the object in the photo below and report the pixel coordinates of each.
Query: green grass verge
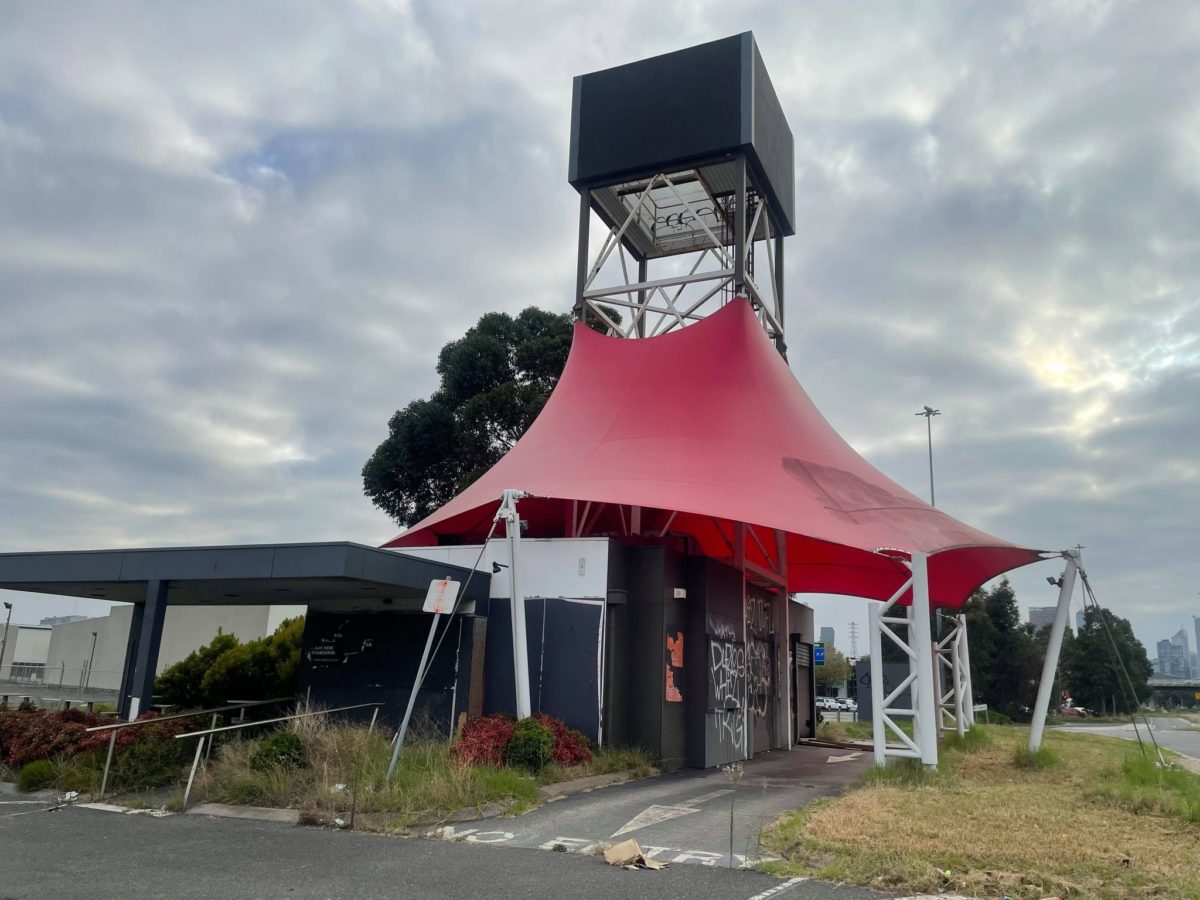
column 1087, row 816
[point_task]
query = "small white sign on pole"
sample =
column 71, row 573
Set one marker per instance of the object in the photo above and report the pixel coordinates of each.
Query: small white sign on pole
column 441, row 596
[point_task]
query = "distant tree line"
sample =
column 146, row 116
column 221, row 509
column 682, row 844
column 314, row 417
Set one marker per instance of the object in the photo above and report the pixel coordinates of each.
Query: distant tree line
column 1007, row 657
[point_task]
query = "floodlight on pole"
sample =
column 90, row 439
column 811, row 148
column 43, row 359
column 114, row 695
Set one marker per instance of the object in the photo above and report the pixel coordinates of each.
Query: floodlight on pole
column 929, row 412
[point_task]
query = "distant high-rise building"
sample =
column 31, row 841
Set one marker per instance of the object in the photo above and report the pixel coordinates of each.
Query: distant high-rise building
column 827, row 638
column 1041, row 616
column 1173, row 658
column 1180, row 640
column 1196, row 625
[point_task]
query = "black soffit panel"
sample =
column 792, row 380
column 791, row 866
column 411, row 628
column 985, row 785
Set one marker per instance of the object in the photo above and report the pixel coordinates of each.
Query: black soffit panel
column 235, row 575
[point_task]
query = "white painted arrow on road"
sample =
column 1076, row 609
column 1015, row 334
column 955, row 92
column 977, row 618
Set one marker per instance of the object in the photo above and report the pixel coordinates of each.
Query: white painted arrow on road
column 849, row 756
column 652, row 815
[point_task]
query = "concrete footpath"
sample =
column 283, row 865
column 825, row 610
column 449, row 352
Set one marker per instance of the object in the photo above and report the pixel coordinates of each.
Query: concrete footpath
column 682, row 817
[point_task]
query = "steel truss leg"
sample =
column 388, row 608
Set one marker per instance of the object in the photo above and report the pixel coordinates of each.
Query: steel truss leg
column 964, row 654
column 1050, row 666
column 918, row 647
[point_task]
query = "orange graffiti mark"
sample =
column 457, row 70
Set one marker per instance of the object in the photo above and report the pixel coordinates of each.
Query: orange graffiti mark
column 673, row 694
column 675, row 646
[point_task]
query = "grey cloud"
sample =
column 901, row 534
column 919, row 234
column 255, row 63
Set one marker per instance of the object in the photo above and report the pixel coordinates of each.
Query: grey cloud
column 232, row 241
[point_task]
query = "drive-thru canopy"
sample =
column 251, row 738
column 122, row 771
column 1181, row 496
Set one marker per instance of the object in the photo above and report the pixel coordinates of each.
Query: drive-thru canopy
column 695, row 430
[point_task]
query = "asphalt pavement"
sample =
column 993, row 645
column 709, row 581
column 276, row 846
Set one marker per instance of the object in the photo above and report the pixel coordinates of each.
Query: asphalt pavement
column 682, row 817
column 85, row 854
column 1179, row 735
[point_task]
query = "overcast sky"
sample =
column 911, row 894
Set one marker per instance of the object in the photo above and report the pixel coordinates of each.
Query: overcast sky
column 233, row 237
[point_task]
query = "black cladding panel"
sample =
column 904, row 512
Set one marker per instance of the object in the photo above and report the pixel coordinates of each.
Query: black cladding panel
column 678, row 106
column 691, row 105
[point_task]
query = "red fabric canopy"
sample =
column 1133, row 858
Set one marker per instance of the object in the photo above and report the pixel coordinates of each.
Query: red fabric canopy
column 708, row 423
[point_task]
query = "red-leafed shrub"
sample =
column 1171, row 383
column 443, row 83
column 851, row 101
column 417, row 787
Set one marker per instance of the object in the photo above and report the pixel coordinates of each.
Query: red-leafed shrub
column 481, row 740
column 29, row 736
column 570, row 746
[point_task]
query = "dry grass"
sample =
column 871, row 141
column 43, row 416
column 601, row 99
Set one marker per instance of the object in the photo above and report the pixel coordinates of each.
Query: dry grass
column 345, row 777
column 985, row 827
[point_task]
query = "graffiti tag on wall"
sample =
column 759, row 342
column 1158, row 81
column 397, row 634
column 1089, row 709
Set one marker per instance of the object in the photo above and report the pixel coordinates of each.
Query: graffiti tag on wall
column 726, row 695
column 674, row 678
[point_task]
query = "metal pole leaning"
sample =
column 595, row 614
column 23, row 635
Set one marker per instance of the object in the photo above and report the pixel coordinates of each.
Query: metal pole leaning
column 1042, row 706
column 187, row 791
column 112, row 743
column 412, row 698
column 921, row 639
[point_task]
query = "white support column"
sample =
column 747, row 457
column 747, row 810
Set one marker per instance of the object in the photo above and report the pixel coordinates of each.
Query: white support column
column 964, row 654
column 926, row 700
column 512, row 527
column 878, row 731
column 1050, row 666
column 960, row 719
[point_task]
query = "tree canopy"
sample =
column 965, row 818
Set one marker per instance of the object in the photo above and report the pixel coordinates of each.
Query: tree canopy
column 1007, row 657
column 494, row 381
column 1089, row 670
column 226, row 669
column 835, row 671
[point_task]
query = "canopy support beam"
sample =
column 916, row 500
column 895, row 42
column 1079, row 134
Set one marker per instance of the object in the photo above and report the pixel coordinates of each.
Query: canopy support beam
column 1050, row 666
column 512, row 526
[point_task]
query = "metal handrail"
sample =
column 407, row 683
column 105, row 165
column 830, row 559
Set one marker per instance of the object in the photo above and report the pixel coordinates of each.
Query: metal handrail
column 113, row 728
column 187, row 792
column 189, row 715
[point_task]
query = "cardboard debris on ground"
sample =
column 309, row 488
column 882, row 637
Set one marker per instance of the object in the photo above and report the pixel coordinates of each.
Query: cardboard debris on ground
column 629, row 855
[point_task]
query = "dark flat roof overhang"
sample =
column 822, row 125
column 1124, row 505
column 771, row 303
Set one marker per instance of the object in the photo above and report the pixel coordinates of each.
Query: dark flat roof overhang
column 250, row 574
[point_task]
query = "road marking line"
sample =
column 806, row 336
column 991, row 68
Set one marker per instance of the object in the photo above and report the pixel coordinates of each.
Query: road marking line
column 779, row 888
column 710, row 796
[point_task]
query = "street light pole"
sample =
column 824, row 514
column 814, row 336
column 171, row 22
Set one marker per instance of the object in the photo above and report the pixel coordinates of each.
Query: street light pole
column 4, row 642
column 91, row 658
column 929, row 412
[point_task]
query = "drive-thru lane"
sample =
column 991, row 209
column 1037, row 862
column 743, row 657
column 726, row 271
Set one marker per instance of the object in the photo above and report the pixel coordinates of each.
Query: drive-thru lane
column 682, row 817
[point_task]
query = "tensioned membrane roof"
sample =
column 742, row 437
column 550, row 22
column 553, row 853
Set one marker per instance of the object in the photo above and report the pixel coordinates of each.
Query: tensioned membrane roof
column 705, row 427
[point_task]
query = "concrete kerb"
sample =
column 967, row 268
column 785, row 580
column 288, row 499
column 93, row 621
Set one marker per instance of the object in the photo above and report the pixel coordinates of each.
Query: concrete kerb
column 547, row 794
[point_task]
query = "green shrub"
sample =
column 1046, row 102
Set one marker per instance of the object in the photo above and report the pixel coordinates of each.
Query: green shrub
column 151, row 762
column 282, row 750
column 225, row 668
column 37, row 775
column 1044, row 758
column 531, row 746
column 995, row 717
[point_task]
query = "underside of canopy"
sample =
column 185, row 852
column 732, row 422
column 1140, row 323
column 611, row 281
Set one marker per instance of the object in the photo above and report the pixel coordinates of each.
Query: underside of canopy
column 691, row 433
